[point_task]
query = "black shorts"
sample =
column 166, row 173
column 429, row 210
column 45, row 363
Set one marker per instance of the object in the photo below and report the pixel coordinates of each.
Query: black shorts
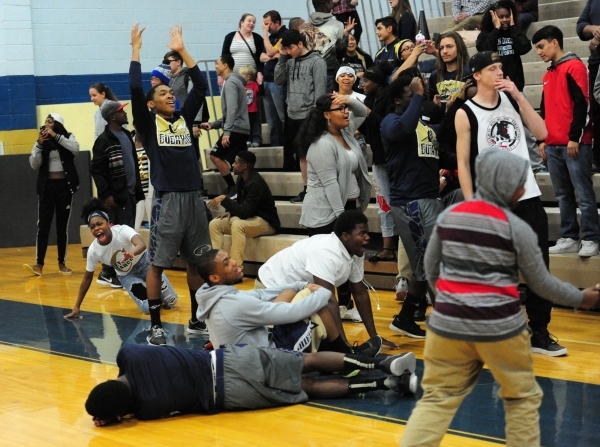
column 237, row 143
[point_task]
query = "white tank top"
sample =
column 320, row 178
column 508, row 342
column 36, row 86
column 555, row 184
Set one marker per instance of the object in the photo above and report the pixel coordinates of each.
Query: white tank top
column 501, row 127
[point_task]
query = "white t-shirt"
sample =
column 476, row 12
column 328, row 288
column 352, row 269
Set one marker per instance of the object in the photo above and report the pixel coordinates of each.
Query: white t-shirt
column 322, row 256
column 111, row 254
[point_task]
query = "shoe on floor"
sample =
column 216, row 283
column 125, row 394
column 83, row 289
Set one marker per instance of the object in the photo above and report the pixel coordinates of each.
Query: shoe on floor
column 106, row 280
column 156, row 336
column 397, row 365
column 64, row 270
column 407, row 327
column 370, row 348
column 350, row 314
column 407, row 383
column 401, row 289
column 197, row 327
column 565, row 245
column 34, row 269
column 542, row 342
column 299, row 198
column 588, row 248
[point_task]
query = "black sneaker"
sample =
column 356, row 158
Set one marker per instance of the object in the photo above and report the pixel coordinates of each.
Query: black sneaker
column 419, row 314
column 397, row 365
column 407, row 383
column 407, row 327
column 542, row 342
column 197, row 327
column 299, row 198
column 232, row 192
column 156, row 336
column 106, row 280
column 370, row 348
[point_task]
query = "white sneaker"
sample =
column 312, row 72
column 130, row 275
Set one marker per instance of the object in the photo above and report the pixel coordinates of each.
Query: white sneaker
column 401, row 289
column 350, row 314
column 565, row 245
column 588, row 248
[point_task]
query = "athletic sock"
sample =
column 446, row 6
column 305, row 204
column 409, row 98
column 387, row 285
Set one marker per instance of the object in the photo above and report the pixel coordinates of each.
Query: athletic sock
column 229, row 180
column 194, row 305
column 352, row 362
column 154, row 306
column 358, row 385
column 339, row 345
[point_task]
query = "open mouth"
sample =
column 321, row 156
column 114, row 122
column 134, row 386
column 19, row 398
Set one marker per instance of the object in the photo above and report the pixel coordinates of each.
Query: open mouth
column 101, row 237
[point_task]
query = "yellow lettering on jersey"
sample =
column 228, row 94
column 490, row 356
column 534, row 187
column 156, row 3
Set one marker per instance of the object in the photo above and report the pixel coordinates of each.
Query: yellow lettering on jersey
column 172, row 134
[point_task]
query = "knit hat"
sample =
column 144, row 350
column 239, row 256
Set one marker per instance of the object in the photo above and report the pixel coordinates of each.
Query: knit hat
column 163, row 72
column 57, row 117
column 109, row 108
column 345, row 69
column 374, row 74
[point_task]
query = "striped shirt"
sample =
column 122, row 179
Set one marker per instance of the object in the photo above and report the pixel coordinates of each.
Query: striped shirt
column 240, row 53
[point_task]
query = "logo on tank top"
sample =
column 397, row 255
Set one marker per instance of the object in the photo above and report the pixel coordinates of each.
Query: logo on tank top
column 504, row 133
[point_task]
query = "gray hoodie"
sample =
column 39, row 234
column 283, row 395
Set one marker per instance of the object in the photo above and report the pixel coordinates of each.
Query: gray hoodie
column 233, row 103
column 306, row 79
column 242, row 316
column 333, row 29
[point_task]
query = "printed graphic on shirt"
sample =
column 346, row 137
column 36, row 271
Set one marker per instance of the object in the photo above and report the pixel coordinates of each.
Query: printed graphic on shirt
column 120, row 264
column 249, row 96
column 172, row 134
column 428, row 145
column 503, row 132
column 505, row 46
column 446, row 89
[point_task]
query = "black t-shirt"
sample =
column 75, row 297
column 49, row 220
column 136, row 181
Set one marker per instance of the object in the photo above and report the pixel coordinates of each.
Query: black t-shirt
column 167, row 379
column 269, row 68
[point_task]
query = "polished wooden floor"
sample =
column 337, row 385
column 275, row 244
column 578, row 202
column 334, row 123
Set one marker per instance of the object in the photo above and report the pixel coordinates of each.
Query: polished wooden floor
column 48, row 365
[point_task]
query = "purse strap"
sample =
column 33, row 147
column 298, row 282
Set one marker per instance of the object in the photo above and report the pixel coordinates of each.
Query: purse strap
column 249, row 49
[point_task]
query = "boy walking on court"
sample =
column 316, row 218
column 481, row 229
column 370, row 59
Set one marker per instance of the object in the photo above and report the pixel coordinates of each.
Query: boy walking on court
column 175, row 174
column 568, row 147
column 477, row 316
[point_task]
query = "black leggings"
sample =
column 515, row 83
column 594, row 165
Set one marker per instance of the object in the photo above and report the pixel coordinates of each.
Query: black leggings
column 57, row 198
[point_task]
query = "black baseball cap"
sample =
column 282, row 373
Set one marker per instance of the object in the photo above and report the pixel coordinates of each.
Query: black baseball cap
column 482, row 59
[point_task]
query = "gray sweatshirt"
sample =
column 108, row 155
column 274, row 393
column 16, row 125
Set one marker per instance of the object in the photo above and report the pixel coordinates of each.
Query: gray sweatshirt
column 242, row 316
column 306, row 79
column 233, row 103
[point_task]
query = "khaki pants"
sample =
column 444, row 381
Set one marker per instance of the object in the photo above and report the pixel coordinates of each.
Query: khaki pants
column 470, row 23
column 239, row 229
column 452, row 368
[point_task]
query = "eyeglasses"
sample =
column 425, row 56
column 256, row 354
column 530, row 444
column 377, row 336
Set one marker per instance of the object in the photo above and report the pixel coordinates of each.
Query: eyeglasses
column 408, row 49
column 343, row 109
column 168, row 61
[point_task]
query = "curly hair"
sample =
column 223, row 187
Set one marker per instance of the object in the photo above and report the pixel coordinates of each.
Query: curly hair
column 487, row 23
column 315, row 124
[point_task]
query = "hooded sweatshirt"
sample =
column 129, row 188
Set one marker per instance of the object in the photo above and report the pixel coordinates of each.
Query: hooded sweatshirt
column 306, row 79
column 233, row 103
column 333, row 29
column 241, row 316
column 475, row 254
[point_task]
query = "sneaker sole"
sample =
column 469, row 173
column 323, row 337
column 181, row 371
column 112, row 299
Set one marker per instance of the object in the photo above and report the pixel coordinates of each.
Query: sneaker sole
column 65, row 273
column 403, row 332
column 562, row 252
column 414, row 383
column 587, row 255
column 197, row 331
column 30, row 270
column 558, row 353
column 405, row 362
column 154, row 344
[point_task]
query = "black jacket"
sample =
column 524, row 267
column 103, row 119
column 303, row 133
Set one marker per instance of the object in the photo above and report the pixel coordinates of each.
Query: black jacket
column 254, row 198
column 380, row 104
column 108, row 171
column 68, row 163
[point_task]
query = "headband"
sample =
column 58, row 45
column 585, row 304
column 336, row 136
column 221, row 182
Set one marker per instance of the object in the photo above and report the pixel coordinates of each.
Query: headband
column 98, row 213
column 345, row 69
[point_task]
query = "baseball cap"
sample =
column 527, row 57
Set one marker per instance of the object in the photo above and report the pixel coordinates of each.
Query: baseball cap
column 482, row 59
column 109, row 108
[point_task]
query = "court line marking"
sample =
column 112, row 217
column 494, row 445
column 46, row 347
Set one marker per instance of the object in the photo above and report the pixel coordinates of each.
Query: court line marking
column 57, row 353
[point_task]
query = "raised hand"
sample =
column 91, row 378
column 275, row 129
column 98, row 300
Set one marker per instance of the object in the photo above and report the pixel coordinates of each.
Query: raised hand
column 136, row 36
column 176, row 38
column 495, row 19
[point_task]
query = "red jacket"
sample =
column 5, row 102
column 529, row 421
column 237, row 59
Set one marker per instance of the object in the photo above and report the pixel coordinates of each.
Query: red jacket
column 565, row 102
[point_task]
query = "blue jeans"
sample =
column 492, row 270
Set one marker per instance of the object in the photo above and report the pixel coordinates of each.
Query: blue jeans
column 382, row 192
column 573, row 187
column 274, row 101
column 526, row 19
column 137, row 275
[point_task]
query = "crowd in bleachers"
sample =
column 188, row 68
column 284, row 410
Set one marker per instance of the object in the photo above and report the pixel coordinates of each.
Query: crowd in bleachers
column 424, row 109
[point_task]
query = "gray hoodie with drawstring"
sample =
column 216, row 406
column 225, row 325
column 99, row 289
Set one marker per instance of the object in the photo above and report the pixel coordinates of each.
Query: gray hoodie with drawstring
column 233, row 103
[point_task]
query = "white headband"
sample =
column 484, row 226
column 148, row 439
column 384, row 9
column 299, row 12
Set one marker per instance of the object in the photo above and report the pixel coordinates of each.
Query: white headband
column 345, row 69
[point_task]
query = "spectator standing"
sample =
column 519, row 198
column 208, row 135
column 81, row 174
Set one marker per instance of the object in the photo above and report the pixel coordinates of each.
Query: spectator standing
column 528, row 13
column 251, row 214
column 564, row 107
column 588, row 28
column 386, row 29
column 343, row 11
column 355, row 57
column 249, row 74
column 452, row 66
column 99, row 93
column 275, row 94
column 467, row 14
column 304, row 72
column 234, row 122
column 52, row 155
column 402, row 14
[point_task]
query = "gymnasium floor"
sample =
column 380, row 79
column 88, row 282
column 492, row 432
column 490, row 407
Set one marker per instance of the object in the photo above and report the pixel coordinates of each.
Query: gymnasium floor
column 48, row 365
